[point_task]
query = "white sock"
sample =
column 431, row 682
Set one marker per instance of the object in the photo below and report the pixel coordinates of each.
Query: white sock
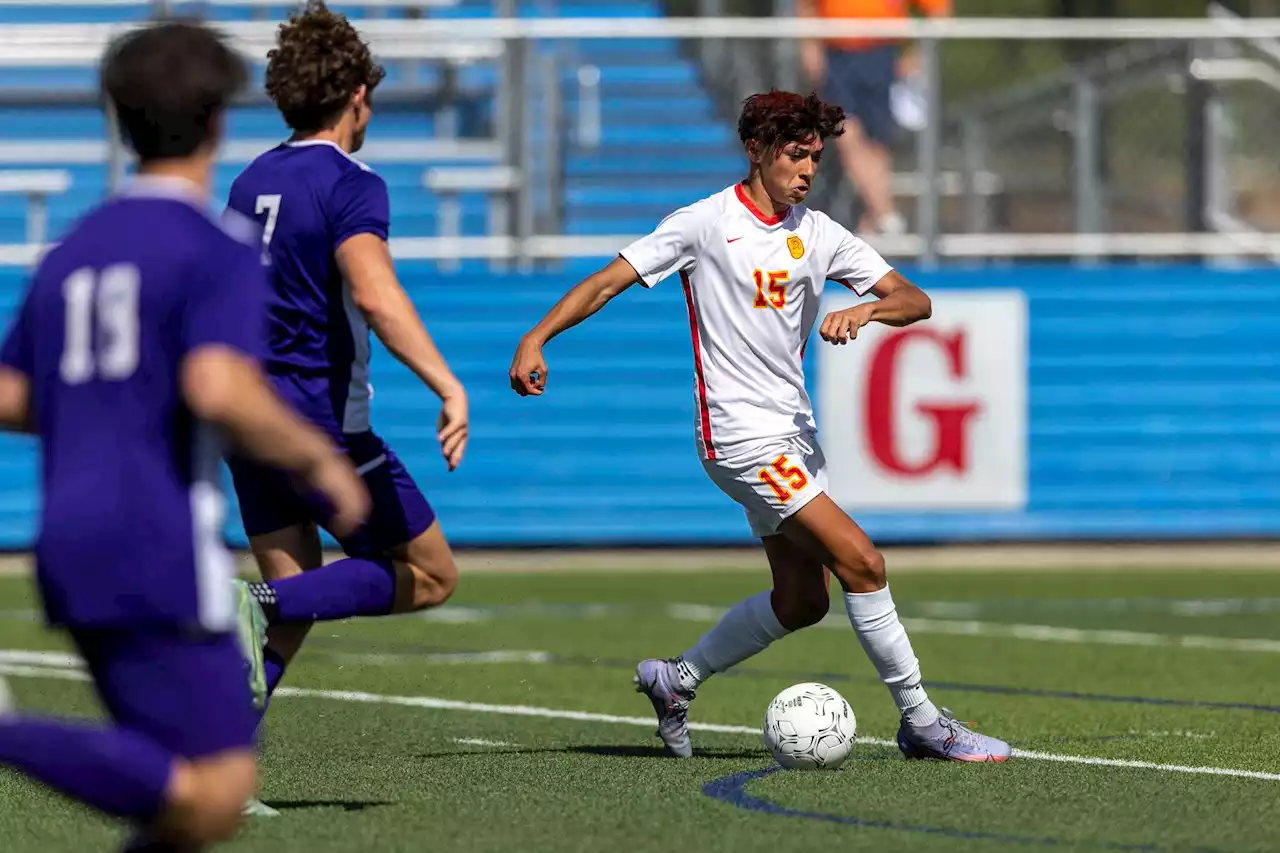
column 875, row 619
column 747, row 629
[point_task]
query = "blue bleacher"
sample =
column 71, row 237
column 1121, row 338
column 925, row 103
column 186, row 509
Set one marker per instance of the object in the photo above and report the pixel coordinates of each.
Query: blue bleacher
column 1144, row 419
column 652, row 103
column 1159, row 427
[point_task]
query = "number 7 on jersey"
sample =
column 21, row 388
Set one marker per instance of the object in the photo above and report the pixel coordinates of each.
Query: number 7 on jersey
column 270, row 205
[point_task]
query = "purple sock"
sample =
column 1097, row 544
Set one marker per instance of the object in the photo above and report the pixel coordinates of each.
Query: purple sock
column 117, row 771
column 274, row 667
column 351, row 587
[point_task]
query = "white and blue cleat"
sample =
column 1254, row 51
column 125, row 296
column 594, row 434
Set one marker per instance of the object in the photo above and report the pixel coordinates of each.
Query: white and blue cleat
column 948, row 740
column 670, row 703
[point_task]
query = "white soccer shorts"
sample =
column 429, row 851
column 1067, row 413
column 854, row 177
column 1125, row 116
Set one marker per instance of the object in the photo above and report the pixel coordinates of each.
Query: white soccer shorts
column 773, row 481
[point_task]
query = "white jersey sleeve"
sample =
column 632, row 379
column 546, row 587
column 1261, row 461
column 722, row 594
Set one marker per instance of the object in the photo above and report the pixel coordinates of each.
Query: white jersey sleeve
column 673, row 245
column 853, row 263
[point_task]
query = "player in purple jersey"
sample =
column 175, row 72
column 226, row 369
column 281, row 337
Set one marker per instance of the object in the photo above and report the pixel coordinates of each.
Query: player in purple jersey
column 325, row 222
column 138, row 338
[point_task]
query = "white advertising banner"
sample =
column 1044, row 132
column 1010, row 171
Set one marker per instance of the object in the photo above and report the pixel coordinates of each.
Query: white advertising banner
column 932, row 416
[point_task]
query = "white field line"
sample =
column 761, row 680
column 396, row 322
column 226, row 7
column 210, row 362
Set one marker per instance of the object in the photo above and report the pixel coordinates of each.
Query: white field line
column 479, row 741
column 1038, row 633
column 60, row 659
column 436, row 658
column 1181, row 607
column 437, row 704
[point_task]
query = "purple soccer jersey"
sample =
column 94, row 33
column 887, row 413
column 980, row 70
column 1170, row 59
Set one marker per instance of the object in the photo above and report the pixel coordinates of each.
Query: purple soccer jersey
column 310, row 197
column 131, row 528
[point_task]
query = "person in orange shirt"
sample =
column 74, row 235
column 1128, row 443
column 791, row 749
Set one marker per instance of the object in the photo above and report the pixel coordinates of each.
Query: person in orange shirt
column 858, row 73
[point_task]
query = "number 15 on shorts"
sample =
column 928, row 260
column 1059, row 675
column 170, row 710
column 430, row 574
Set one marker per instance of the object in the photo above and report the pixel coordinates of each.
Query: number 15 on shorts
column 784, row 478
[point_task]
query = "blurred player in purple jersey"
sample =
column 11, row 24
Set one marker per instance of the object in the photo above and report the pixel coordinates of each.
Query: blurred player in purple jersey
column 325, row 222
column 136, row 345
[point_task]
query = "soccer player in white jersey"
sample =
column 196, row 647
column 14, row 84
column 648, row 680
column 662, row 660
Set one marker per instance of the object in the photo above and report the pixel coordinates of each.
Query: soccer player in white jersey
column 753, row 263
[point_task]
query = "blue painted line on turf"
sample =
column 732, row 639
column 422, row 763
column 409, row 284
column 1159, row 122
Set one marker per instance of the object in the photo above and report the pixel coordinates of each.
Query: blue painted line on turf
column 733, row 790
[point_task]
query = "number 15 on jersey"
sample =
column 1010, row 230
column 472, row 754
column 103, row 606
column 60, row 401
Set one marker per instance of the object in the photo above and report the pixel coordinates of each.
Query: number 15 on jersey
column 771, row 291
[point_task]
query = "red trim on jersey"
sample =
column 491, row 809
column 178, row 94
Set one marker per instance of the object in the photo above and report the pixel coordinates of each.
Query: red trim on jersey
column 755, row 211
column 845, row 282
column 704, row 413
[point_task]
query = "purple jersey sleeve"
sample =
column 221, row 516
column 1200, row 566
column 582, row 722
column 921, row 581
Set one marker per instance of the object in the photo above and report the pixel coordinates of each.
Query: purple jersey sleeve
column 18, row 352
column 230, row 307
column 359, row 205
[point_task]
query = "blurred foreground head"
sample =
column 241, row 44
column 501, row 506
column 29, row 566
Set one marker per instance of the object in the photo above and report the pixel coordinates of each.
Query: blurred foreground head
column 169, row 84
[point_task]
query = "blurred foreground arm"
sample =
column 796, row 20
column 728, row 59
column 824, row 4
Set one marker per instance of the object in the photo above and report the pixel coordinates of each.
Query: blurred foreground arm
column 225, row 387
column 15, row 400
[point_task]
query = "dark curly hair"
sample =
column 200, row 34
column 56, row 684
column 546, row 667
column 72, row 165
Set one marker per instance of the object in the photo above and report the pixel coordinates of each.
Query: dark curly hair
column 775, row 118
column 167, row 83
column 318, row 63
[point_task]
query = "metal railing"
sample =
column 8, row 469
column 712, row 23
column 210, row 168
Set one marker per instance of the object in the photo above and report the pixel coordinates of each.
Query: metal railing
column 952, row 175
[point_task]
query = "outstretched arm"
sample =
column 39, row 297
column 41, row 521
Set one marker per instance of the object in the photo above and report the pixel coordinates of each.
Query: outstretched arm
column 528, row 368
column 365, row 262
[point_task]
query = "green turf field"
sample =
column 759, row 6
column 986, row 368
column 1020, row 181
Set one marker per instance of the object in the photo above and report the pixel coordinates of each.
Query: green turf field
column 507, row 722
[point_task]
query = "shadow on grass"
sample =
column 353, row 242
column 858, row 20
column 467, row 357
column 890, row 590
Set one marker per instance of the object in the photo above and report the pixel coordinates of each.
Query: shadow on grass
column 605, row 750
column 345, row 805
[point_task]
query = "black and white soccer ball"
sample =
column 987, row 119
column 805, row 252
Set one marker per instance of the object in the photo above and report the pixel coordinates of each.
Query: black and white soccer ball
column 809, row 727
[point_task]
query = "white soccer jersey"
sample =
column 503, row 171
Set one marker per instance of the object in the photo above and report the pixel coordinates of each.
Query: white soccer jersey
column 753, row 284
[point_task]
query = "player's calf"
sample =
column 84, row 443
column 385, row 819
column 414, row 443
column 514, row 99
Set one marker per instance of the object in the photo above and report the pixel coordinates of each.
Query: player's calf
column 800, row 608
column 801, row 595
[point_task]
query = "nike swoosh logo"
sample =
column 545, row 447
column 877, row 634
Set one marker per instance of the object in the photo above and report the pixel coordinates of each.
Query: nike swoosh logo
column 734, row 239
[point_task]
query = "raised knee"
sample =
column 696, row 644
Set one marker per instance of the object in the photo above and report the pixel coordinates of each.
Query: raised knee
column 862, row 568
column 433, row 586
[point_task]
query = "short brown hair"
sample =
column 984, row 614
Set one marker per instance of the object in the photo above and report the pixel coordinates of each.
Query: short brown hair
column 167, row 82
column 775, row 118
column 318, row 63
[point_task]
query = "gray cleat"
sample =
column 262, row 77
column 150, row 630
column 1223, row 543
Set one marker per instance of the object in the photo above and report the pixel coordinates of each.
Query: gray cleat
column 670, row 703
column 948, row 740
column 257, row 808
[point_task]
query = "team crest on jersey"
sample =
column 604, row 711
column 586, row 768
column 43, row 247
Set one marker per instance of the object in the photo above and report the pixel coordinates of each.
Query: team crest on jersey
column 796, row 247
